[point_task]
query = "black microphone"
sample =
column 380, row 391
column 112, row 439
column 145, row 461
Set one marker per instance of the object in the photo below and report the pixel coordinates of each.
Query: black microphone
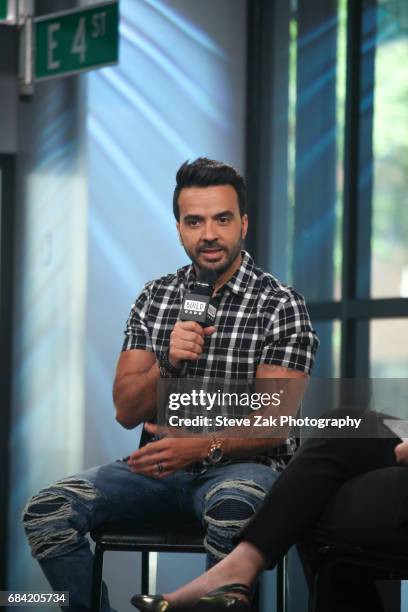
column 198, row 306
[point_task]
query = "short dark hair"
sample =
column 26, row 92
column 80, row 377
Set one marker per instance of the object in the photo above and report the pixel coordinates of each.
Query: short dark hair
column 204, row 172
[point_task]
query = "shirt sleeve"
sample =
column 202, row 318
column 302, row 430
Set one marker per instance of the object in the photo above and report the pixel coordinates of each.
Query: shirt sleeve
column 289, row 338
column 137, row 334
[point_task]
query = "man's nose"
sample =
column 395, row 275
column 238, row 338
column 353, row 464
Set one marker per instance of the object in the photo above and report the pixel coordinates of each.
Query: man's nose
column 209, row 231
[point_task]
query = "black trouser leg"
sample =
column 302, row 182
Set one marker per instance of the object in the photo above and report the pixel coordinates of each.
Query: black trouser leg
column 319, row 468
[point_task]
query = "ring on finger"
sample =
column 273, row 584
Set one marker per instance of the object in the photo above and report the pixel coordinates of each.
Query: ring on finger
column 160, row 468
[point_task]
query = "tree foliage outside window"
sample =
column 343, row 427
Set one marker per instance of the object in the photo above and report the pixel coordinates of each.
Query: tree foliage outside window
column 389, row 245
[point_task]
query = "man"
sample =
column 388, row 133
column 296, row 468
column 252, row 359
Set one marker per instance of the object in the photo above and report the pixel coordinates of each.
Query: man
column 262, row 330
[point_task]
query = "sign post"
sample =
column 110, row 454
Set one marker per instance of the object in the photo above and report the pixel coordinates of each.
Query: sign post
column 74, row 41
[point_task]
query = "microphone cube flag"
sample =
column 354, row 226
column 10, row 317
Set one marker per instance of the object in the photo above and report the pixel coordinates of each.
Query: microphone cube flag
column 198, row 308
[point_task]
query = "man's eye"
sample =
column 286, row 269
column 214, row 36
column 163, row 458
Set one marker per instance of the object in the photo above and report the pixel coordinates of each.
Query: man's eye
column 193, row 222
column 223, row 220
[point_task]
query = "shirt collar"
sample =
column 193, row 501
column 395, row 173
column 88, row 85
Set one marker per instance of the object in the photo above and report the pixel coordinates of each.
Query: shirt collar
column 238, row 282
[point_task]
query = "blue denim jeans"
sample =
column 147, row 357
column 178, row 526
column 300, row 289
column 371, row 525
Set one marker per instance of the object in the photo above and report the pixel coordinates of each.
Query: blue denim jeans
column 57, row 519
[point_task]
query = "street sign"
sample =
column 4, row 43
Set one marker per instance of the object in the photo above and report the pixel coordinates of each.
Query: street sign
column 74, row 41
column 3, row 10
column 8, row 13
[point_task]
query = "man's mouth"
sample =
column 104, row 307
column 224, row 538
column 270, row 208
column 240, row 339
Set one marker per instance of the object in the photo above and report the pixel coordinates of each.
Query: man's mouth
column 211, row 252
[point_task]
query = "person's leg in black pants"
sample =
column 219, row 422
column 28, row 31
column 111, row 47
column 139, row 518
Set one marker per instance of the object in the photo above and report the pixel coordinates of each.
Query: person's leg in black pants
column 315, row 473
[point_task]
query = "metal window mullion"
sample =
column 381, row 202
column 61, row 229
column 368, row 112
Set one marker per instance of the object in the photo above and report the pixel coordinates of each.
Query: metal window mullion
column 351, row 173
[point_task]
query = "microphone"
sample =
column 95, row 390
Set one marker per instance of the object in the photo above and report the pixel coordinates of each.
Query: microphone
column 198, row 306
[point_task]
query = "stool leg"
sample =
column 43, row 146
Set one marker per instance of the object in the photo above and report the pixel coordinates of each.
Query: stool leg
column 313, row 593
column 281, row 585
column 153, row 559
column 97, row 579
column 145, row 573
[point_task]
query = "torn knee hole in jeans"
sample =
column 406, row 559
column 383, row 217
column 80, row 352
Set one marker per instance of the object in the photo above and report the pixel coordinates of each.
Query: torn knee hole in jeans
column 82, row 488
column 234, row 498
column 230, row 508
column 48, row 516
column 239, row 485
column 230, row 505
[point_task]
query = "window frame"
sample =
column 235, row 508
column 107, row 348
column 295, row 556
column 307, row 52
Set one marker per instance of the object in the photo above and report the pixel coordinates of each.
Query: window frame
column 354, row 312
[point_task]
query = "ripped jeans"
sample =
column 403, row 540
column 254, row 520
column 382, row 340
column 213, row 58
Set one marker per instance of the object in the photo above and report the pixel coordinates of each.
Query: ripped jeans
column 57, row 519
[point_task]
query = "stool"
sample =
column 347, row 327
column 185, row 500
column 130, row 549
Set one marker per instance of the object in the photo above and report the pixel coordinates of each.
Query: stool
column 363, row 526
column 172, row 536
column 380, row 565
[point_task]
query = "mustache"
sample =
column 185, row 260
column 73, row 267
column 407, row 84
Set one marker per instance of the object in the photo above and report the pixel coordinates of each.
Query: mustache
column 212, row 245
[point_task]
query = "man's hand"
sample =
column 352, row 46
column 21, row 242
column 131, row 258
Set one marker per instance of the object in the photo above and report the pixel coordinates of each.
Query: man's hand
column 401, row 452
column 187, row 341
column 172, row 454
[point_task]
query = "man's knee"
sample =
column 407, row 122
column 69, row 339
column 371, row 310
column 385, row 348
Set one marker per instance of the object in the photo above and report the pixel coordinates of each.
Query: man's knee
column 56, row 518
column 229, row 506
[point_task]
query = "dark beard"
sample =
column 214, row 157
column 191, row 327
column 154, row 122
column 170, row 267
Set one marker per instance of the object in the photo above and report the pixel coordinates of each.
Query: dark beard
column 223, row 267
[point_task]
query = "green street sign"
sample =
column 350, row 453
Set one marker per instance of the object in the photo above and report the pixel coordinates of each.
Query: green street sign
column 74, row 41
column 3, row 10
column 8, row 12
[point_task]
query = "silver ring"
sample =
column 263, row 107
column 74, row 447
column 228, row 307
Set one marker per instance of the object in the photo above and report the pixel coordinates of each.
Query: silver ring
column 160, row 468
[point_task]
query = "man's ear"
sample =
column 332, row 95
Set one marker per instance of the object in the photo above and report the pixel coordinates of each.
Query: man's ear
column 178, row 232
column 244, row 226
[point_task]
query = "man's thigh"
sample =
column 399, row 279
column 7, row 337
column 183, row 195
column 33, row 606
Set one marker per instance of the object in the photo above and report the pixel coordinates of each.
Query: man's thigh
column 57, row 518
column 113, row 492
column 228, row 498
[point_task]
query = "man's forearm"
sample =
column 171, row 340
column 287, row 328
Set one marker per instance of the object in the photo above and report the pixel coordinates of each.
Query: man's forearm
column 134, row 395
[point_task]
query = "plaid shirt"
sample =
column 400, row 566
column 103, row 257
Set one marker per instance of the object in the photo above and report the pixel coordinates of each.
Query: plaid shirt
column 259, row 321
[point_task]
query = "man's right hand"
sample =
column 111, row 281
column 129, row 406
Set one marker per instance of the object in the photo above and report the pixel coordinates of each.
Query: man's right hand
column 187, row 342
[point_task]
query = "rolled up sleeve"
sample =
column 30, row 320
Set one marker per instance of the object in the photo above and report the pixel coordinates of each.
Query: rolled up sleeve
column 137, row 334
column 289, row 338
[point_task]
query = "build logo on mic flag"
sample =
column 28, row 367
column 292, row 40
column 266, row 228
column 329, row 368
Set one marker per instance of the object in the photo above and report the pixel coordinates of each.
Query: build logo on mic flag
column 198, row 308
column 194, row 307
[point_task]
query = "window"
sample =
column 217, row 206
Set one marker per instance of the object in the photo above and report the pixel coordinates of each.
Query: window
column 328, row 170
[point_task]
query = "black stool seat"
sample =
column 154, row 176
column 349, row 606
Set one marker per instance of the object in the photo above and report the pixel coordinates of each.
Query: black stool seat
column 171, row 535
column 384, row 565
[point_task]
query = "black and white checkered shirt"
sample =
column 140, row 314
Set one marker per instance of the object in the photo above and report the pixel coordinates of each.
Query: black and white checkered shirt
column 259, row 321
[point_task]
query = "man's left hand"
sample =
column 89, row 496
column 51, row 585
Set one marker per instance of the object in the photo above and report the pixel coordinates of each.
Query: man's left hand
column 168, row 455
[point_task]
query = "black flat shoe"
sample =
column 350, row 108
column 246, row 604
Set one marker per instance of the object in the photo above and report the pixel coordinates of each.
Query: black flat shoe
column 151, row 603
column 222, row 599
column 218, row 600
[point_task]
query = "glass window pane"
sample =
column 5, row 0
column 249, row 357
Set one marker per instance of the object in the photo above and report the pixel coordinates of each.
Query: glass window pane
column 318, row 179
column 389, row 348
column 389, row 241
column 304, row 237
column 328, row 356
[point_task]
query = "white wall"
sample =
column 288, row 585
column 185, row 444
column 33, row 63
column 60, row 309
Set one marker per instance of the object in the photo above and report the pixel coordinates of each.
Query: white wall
column 96, row 173
column 49, row 304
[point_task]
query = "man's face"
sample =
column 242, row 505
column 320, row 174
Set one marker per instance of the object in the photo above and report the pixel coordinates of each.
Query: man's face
column 211, row 229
